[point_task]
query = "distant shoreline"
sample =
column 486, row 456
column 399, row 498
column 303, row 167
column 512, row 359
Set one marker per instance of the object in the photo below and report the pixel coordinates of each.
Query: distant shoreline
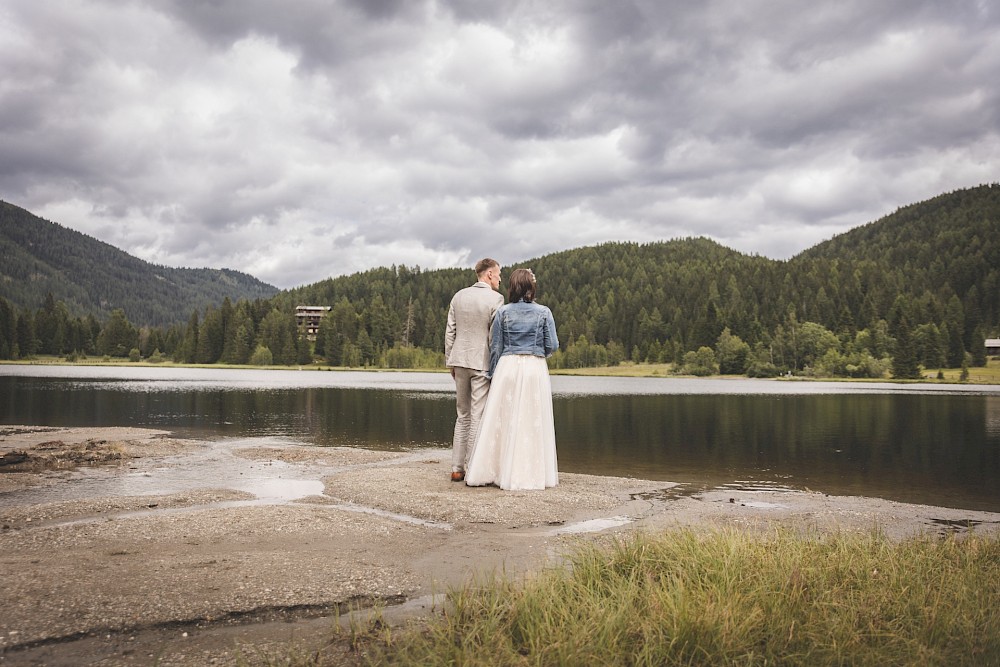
column 988, row 375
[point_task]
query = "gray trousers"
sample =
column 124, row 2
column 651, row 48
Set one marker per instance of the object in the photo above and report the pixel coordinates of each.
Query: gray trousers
column 471, row 389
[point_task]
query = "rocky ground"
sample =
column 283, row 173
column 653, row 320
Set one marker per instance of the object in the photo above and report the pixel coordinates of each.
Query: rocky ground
column 131, row 547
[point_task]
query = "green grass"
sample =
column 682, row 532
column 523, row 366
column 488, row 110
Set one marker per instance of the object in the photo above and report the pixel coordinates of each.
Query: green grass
column 728, row 598
column 990, row 374
column 625, row 369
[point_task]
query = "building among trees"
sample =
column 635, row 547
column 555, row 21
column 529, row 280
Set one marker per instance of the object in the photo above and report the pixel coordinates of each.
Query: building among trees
column 309, row 317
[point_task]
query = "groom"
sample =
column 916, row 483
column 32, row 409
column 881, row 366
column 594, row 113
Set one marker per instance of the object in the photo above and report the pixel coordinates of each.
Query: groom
column 467, row 353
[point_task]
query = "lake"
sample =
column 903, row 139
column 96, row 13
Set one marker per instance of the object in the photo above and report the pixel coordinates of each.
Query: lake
column 933, row 444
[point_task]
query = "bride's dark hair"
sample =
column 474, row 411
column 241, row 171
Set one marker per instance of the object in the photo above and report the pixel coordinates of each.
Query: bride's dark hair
column 521, row 286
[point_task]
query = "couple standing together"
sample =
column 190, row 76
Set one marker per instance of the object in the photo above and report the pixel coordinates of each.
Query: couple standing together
column 504, row 433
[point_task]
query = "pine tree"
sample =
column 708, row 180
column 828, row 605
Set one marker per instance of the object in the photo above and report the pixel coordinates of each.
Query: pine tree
column 979, row 346
column 118, row 336
column 303, row 350
column 955, row 318
column 210, row 337
column 187, row 351
column 366, row 350
column 904, row 358
column 8, row 329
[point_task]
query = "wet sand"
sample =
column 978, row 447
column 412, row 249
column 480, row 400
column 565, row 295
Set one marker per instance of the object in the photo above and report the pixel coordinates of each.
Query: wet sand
column 129, row 546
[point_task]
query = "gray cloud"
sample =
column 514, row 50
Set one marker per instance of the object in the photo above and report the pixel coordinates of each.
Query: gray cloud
column 305, row 139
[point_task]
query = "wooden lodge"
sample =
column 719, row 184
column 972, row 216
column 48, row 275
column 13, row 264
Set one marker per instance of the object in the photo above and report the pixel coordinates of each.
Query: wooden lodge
column 308, row 318
column 992, row 346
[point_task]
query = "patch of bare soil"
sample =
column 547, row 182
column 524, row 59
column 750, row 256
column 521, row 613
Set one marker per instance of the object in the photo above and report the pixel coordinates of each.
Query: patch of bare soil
column 56, row 454
column 40, row 456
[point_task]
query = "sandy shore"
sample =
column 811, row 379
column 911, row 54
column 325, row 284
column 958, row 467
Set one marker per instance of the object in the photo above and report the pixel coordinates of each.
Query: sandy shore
column 129, row 546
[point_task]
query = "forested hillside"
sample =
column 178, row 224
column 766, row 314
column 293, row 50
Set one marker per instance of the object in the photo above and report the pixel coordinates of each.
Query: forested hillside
column 92, row 277
column 944, row 247
column 624, row 292
column 919, row 288
column 931, row 268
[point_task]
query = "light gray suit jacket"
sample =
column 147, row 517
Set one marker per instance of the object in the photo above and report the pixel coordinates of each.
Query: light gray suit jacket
column 467, row 337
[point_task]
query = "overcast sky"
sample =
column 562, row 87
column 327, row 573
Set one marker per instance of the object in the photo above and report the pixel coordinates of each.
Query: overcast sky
column 300, row 139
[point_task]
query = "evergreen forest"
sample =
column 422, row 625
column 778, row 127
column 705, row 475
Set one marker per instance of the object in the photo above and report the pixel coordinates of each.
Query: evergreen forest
column 915, row 291
column 42, row 258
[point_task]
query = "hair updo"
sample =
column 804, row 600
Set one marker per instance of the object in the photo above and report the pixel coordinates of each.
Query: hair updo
column 522, row 286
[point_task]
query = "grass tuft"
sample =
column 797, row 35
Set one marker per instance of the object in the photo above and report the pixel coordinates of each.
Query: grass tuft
column 729, row 597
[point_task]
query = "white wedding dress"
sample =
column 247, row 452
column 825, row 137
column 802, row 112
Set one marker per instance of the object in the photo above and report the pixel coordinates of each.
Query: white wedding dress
column 516, row 445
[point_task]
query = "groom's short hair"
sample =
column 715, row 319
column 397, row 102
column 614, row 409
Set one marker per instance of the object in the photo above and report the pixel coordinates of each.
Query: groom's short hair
column 485, row 265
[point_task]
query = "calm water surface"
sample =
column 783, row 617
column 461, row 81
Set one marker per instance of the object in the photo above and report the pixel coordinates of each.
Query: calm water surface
column 934, row 444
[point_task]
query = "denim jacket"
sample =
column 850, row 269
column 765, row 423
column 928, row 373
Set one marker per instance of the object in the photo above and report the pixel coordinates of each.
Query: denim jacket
column 522, row 328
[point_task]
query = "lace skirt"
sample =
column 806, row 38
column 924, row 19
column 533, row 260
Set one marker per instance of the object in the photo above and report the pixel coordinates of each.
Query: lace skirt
column 516, row 447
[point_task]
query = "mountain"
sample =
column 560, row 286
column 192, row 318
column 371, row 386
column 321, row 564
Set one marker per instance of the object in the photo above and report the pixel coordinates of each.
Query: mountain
column 925, row 278
column 943, row 224
column 942, row 256
column 951, row 240
column 619, row 291
column 937, row 262
column 90, row 276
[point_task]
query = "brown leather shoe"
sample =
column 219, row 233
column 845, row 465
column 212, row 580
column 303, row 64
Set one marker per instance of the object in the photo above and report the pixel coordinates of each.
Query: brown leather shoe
column 458, row 476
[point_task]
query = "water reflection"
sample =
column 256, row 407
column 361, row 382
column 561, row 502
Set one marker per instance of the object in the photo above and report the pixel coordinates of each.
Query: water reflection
column 917, row 446
column 993, row 415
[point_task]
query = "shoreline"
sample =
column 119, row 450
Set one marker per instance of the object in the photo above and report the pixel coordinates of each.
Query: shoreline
column 186, row 550
column 988, row 375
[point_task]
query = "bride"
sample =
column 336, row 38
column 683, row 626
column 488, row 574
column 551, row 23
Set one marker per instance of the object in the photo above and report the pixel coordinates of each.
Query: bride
column 516, row 446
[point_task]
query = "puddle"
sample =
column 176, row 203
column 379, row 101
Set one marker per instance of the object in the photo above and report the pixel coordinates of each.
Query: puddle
column 959, row 525
column 747, row 485
column 675, row 492
column 10, row 430
column 696, row 491
column 279, row 489
column 759, row 504
column 272, row 482
column 215, row 466
column 591, row 526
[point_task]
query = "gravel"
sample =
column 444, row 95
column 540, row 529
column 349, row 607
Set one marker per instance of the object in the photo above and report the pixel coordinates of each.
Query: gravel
column 119, row 578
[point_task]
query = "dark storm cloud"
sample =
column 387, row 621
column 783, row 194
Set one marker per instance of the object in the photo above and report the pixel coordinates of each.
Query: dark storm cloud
column 248, row 133
column 322, row 33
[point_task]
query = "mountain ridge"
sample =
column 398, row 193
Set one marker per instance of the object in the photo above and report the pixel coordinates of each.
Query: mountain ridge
column 93, row 277
column 935, row 262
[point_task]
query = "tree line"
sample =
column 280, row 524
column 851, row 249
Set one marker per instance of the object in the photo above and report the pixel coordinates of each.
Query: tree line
column 260, row 332
column 247, row 332
column 919, row 289
column 244, row 333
